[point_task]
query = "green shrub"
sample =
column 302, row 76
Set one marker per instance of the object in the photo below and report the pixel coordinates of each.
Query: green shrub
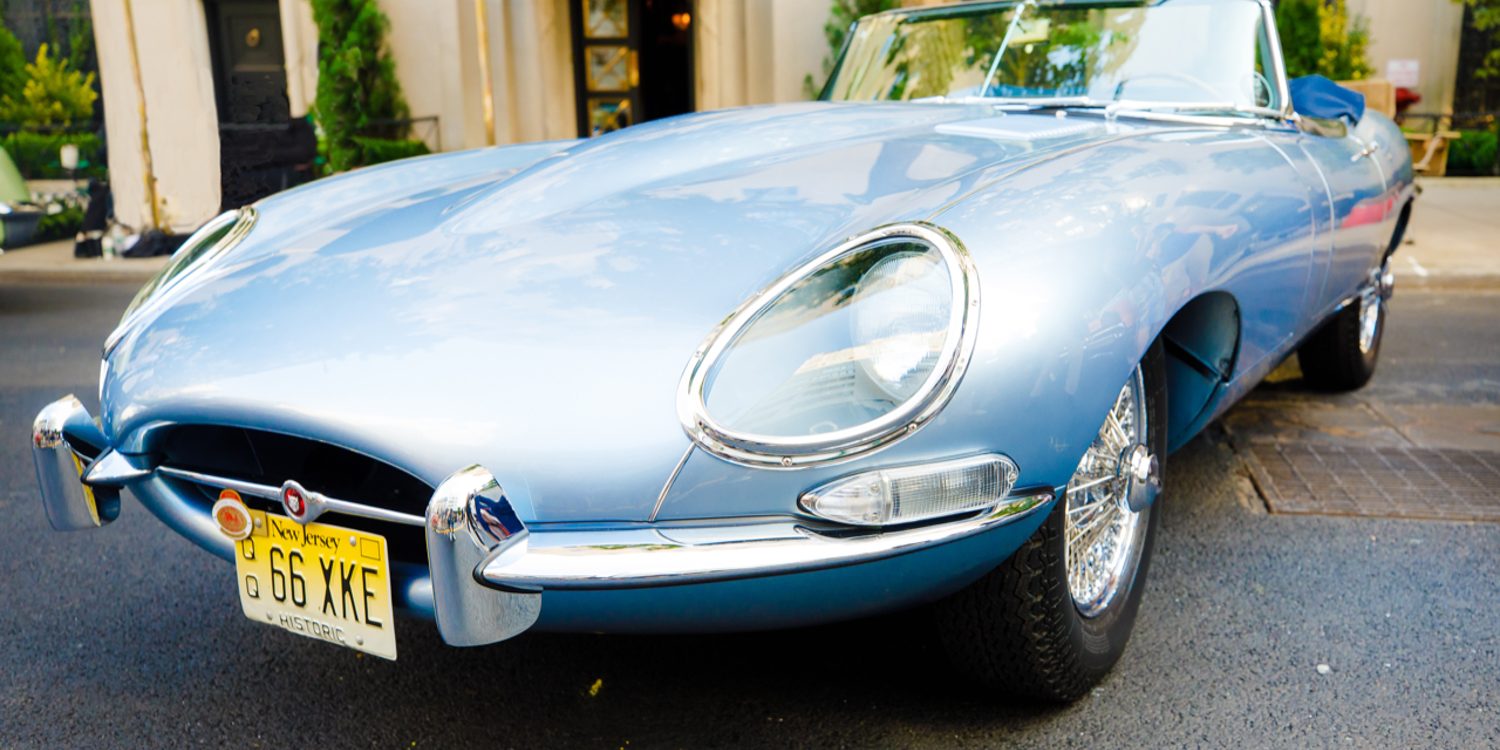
column 358, row 94
column 36, row 154
column 12, row 65
column 53, row 95
column 60, row 226
column 1475, row 153
column 378, row 150
column 1319, row 36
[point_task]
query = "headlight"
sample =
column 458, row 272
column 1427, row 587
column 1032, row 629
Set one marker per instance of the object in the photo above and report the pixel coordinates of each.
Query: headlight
column 210, row 241
column 842, row 356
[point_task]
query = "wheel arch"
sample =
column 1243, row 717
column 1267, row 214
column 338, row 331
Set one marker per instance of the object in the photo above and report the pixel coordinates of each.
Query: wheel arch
column 1202, row 344
column 1398, row 235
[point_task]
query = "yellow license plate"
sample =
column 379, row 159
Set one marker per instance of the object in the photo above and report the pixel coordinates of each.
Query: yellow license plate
column 318, row 581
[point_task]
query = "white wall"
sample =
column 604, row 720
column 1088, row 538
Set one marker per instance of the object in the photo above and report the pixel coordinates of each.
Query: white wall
column 758, row 51
column 1425, row 30
column 171, row 39
column 531, row 52
column 299, row 47
column 423, row 39
column 435, row 45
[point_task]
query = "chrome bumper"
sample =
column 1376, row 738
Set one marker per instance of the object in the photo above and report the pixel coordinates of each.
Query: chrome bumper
column 71, row 505
column 487, row 568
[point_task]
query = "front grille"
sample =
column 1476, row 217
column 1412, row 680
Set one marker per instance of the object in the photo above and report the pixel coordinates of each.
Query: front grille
column 271, row 458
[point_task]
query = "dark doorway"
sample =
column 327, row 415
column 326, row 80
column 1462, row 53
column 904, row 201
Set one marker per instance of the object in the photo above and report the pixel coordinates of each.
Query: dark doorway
column 632, row 61
column 262, row 149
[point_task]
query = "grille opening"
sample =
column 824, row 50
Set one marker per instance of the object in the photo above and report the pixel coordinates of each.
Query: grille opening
column 271, row 458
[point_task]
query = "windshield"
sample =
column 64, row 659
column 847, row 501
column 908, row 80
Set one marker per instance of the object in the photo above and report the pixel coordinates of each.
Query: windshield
column 1213, row 53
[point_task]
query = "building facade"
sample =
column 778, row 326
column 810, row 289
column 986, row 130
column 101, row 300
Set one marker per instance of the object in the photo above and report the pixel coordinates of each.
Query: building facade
column 1422, row 38
column 200, row 89
column 208, row 98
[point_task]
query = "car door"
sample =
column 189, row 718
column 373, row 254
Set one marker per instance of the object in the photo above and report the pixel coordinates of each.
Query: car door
column 1358, row 200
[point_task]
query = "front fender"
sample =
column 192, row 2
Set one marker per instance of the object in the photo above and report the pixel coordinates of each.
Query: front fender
column 1086, row 258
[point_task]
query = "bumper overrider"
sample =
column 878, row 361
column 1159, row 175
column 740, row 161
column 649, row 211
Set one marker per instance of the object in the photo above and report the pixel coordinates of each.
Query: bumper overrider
column 487, row 568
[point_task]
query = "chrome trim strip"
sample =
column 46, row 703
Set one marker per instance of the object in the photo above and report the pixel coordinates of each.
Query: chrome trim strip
column 661, row 497
column 772, row 452
column 649, row 558
column 268, row 492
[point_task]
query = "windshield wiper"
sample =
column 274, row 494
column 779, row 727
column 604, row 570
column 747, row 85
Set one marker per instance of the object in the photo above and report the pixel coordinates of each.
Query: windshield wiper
column 1110, row 108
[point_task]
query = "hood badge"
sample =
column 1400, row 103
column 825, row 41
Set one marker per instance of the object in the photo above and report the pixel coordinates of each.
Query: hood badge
column 232, row 515
column 300, row 504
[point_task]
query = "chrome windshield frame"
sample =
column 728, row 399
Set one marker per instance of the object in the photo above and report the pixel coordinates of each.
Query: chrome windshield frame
column 1231, row 114
column 1278, row 60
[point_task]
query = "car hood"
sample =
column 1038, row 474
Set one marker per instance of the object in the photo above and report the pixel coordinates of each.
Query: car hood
column 531, row 309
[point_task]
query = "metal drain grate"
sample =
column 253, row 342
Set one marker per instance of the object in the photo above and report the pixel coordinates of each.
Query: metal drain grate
column 1386, row 482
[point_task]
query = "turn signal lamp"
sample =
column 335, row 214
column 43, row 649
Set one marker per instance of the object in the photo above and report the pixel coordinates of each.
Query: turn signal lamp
column 909, row 494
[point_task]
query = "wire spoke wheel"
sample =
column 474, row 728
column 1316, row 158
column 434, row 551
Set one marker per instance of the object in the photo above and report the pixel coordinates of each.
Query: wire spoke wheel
column 1369, row 319
column 1102, row 535
column 1051, row 620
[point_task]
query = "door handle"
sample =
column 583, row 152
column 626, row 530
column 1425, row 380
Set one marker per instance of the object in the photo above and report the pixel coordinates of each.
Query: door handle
column 1366, row 152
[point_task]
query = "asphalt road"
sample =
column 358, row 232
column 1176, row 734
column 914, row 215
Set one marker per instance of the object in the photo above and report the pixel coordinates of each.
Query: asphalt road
column 131, row 636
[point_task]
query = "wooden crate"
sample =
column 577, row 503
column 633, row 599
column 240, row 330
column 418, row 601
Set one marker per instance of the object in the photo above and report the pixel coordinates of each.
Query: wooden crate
column 1380, row 94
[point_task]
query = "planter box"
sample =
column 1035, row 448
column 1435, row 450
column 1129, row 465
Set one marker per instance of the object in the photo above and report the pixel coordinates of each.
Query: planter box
column 19, row 227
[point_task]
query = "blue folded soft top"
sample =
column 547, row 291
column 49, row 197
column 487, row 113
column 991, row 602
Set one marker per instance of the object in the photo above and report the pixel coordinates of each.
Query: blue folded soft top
column 1316, row 96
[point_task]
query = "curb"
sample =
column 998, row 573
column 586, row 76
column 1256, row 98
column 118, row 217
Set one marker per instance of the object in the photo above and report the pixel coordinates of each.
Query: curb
column 76, row 275
column 1448, row 283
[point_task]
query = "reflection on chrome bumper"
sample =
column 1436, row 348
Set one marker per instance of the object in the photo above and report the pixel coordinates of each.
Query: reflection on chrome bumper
column 468, row 520
column 488, row 569
column 70, row 504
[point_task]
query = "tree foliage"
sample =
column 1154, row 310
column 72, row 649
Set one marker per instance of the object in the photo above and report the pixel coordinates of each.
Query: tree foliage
column 53, row 95
column 841, row 16
column 1485, row 17
column 358, row 94
column 80, row 39
column 1319, row 36
column 12, row 65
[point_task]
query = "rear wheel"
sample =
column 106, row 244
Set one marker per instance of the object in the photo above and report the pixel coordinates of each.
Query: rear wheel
column 1341, row 356
column 1053, row 619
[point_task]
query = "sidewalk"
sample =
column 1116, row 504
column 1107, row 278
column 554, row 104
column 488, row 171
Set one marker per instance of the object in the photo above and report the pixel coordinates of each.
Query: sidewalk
column 53, row 262
column 1454, row 239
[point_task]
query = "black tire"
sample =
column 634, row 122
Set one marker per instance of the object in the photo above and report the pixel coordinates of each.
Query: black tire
column 1332, row 359
column 1018, row 632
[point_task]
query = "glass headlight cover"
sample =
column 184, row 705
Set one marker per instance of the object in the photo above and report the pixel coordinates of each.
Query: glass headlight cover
column 844, row 355
column 213, row 239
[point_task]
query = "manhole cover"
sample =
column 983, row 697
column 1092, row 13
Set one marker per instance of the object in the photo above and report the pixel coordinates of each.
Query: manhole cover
column 1386, row 482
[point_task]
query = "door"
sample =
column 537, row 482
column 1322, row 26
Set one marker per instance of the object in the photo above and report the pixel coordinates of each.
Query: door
column 1360, row 205
column 632, row 62
column 261, row 148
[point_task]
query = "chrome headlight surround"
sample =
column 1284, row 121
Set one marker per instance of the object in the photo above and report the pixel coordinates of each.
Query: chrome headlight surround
column 235, row 224
column 774, row 452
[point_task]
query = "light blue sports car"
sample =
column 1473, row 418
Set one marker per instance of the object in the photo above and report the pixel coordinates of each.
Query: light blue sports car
column 927, row 341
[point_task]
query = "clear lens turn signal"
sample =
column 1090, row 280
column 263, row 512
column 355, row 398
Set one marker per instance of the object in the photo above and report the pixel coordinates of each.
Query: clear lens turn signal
column 908, row 494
